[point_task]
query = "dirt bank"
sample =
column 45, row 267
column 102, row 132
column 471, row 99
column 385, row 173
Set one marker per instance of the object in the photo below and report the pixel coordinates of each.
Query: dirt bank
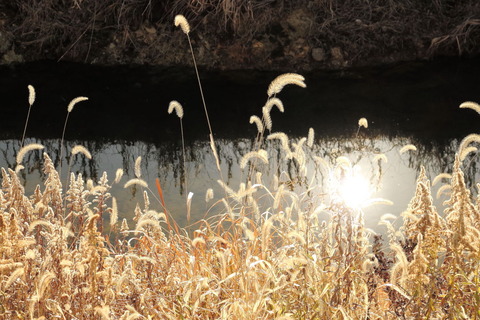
column 243, row 34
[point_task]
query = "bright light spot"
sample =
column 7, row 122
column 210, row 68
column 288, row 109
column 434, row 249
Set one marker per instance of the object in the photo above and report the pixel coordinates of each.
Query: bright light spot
column 352, row 188
column 354, row 191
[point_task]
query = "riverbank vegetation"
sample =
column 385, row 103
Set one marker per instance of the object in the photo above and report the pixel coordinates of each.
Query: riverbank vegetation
column 285, row 245
column 272, row 35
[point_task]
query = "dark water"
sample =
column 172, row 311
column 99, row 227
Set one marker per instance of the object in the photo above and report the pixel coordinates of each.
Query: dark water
column 126, row 117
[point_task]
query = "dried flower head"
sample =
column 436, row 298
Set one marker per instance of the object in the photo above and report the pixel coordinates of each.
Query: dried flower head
column 266, row 118
column 471, row 105
column 282, row 80
column 261, row 155
column 114, row 213
column 31, row 94
column 139, row 182
column 408, row 147
column 138, row 168
column 380, row 157
column 74, row 102
column 118, row 175
column 19, row 168
column 258, row 123
column 275, row 102
column 467, row 140
column 81, row 149
column 21, row 154
column 311, row 137
column 181, row 21
column 175, row 105
column 209, row 195
column 362, row 122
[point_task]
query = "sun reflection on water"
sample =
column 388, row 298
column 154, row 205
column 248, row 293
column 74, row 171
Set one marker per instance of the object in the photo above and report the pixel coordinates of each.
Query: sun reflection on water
column 349, row 186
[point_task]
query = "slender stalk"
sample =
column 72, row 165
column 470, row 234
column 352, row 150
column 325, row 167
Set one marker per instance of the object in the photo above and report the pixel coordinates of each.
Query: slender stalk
column 31, row 100
column 200, row 85
column 212, row 141
column 25, row 128
column 184, row 159
column 69, row 109
column 61, row 145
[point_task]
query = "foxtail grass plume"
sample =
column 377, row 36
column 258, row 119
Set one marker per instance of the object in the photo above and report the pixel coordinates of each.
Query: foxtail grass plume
column 311, row 137
column 114, row 213
column 380, row 157
column 181, row 21
column 466, row 151
column 471, row 105
column 75, row 150
column 473, row 137
column 138, row 169
column 267, row 108
column 441, row 176
column 408, row 147
column 274, row 102
column 118, row 175
column 31, row 100
column 21, row 154
column 261, row 154
column 267, row 119
column 136, row 181
column 69, row 109
column 209, row 195
column 74, row 102
column 258, row 123
column 442, row 190
column 81, row 149
column 31, row 94
column 362, row 122
column 175, row 105
column 283, row 139
column 282, row 80
column 19, row 272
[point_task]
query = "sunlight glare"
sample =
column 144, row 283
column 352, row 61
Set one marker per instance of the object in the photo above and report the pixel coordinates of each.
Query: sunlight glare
column 353, row 189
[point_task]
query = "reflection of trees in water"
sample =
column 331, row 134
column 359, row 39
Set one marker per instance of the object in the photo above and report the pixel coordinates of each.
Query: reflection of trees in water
column 164, row 160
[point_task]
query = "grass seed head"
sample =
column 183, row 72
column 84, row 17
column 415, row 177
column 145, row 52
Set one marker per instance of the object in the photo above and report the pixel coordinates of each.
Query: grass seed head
column 181, row 21
column 21, row 154
column 362, row 122
column 81, row 149
column 175, row 105
column 31, row 94
column 74, row 102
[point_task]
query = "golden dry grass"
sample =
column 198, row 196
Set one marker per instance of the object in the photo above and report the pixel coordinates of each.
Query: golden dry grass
column 269, row 256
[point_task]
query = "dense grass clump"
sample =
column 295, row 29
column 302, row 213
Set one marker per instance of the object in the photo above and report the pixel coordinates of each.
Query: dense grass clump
column 285, row 245
column 269, row 255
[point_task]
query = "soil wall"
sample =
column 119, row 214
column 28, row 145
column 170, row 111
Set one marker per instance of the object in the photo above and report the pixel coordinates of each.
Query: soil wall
column 242, row 34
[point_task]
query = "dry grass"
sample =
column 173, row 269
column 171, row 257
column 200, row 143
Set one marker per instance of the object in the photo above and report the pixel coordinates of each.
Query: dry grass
column 268, row 256
column 360, row 32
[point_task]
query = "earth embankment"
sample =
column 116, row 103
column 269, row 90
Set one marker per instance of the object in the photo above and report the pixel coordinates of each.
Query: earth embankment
column 243, row 34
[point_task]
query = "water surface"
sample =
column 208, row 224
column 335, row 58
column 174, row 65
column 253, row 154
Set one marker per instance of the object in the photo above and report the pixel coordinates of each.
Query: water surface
column 126, row 117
